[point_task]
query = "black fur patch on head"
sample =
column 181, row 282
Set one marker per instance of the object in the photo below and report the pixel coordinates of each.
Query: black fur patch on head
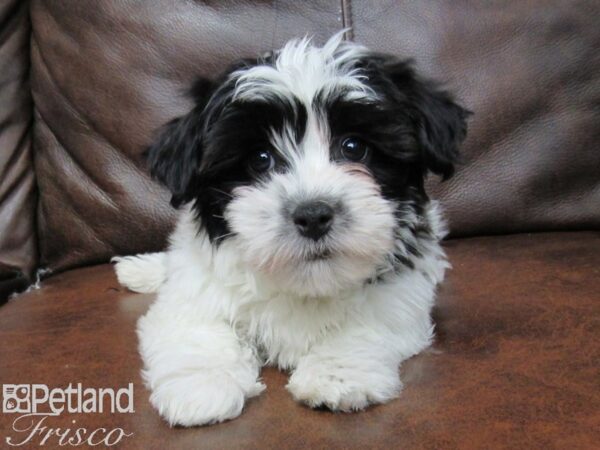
column 440, row 121
column 412, row 128
column 202, row 157
column 242, row 129
column 392, row 144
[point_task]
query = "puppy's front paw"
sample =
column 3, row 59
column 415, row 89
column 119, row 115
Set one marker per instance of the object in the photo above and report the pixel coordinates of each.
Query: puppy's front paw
column 343, row 387
column 201, row 400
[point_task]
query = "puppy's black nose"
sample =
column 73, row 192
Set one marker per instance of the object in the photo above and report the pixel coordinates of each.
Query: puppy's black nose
column 313, row 219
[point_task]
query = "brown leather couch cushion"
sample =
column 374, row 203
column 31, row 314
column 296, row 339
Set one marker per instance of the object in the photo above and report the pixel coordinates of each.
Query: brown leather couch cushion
column 514, row 365
column 18, row 252
column 106, row 74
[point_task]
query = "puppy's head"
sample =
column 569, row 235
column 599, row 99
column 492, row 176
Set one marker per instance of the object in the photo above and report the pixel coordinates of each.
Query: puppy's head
column 309, row 162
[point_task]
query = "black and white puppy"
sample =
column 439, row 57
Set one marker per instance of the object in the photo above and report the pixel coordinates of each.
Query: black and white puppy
column 305, row 238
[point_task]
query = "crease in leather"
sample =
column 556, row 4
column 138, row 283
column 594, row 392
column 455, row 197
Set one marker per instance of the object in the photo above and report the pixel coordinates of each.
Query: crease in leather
column 18, row 241
column 8, row 26
column 84, row 119
column 79, row 168
column 71, row 206
column 15, row 177
column 79, row 115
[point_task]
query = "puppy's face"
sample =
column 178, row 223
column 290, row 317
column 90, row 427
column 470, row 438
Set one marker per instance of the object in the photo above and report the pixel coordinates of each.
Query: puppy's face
column 309, row 162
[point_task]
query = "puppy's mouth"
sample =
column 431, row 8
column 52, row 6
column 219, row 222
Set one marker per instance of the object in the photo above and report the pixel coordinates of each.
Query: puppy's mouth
column 319, row 255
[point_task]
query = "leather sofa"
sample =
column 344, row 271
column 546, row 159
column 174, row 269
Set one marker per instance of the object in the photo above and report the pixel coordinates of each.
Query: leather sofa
column 516, row 362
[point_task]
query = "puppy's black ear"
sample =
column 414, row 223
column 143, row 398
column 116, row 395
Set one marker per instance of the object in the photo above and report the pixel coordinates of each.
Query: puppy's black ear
column 441, row 122
column 442, row 129
column 174, row 157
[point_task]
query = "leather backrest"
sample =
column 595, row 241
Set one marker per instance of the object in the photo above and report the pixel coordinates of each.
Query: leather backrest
column 18, row 251
column 106, row 75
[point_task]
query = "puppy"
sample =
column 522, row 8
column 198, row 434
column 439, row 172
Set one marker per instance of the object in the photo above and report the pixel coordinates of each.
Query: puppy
column 305, row 237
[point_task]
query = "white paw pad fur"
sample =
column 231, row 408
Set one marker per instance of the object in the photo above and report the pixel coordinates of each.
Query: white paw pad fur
column 199, row 400
column 142, row 273
column 341, row 388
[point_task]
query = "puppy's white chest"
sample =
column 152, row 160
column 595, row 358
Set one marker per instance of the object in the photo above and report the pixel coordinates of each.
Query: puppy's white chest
column 285, row 328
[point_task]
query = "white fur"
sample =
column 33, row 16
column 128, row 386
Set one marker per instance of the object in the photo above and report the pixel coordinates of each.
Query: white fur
column 303, row 70
column 142, row 273
column 200, row 340
column 341, row 324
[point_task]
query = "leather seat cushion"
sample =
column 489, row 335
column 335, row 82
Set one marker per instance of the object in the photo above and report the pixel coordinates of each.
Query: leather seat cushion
column 515, row 363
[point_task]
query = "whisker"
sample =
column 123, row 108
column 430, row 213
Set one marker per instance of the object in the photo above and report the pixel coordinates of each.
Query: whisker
column 221, row 192
column 223, row 236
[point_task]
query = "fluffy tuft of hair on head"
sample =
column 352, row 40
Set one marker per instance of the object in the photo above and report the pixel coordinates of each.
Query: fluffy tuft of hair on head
column 305, row 71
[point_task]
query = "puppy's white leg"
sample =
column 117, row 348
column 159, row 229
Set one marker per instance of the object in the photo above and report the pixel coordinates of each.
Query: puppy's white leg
column 142, row 273
column 198, row 370
column 353, row 369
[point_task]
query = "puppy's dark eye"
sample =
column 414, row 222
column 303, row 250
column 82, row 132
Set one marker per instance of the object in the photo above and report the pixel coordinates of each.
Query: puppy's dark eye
column 353, row 149
column 261, row 161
